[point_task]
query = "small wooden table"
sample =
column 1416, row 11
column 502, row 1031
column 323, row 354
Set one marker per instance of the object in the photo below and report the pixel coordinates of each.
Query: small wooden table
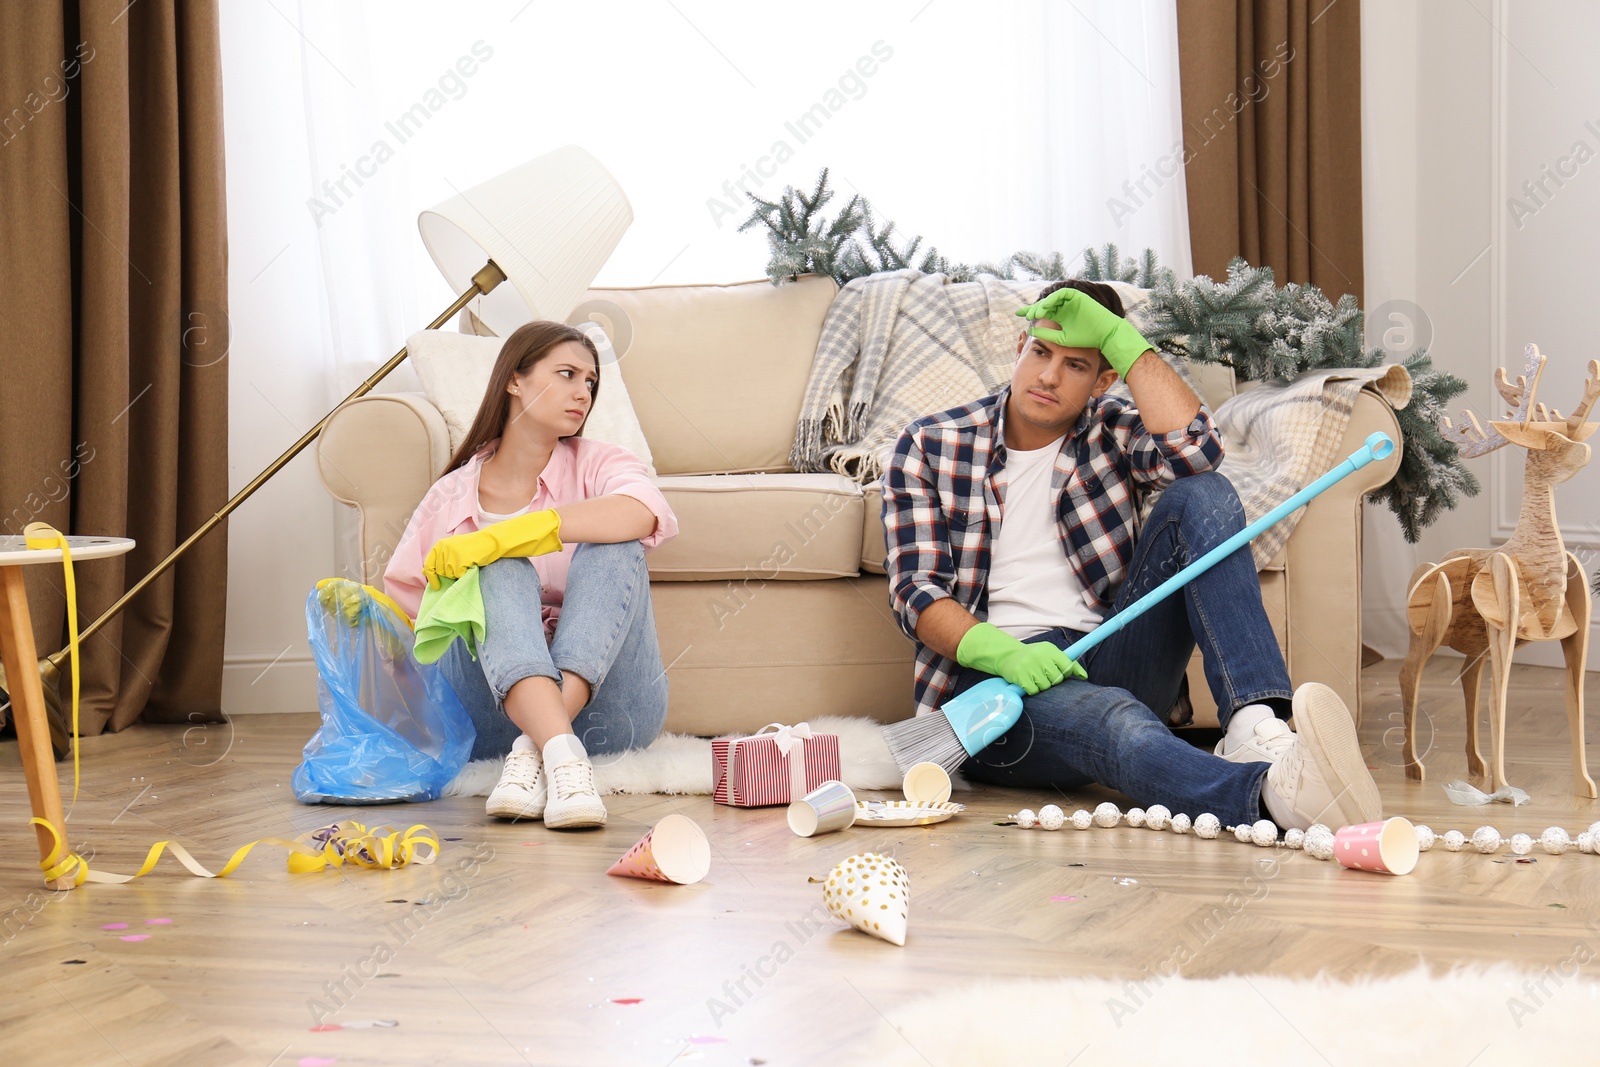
column 21, row 661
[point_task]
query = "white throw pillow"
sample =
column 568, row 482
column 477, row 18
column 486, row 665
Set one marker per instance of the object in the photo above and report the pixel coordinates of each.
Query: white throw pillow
column 454, row 369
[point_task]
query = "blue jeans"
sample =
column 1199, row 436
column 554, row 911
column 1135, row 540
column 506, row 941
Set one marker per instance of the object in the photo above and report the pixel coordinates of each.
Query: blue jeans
column 606, row 634
column 1104, row 730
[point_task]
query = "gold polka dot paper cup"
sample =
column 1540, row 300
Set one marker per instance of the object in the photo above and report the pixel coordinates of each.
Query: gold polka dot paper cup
column 1387, row 847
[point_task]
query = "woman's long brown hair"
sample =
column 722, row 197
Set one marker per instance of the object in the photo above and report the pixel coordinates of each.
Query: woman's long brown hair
column 524, row 348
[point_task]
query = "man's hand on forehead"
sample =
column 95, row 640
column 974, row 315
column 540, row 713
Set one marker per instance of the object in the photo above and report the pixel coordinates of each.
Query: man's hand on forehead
column 1083, row 322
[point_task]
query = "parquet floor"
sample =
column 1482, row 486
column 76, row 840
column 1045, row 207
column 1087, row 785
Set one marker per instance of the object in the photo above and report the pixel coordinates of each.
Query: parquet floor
column 516, row 948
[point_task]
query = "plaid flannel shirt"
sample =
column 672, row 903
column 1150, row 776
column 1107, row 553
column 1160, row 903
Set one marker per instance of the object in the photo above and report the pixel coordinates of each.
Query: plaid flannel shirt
column 944, row 495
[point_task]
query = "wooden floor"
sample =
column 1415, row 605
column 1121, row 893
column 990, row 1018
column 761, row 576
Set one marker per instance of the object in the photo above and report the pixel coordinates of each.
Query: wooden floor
column 516, row 948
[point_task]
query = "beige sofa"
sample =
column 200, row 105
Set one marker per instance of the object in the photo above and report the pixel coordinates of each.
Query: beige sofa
column 770, row 603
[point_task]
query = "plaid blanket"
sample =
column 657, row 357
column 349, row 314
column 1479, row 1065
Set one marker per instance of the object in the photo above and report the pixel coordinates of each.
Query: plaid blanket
column 895, row 347
column 1281, row 436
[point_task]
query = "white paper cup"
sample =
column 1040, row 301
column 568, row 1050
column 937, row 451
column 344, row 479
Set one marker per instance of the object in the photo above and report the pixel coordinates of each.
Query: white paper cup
column 830, row 806
column 926, row 783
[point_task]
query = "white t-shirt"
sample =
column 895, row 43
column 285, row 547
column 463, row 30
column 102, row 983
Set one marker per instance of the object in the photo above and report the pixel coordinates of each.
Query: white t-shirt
column 489, row 518
column 1032, row 587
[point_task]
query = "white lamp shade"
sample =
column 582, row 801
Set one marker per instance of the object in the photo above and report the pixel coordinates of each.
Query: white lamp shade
column 549, row 224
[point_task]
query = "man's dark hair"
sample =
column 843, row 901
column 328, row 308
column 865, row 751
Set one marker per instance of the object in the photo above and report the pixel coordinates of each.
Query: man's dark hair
column 1102, row 293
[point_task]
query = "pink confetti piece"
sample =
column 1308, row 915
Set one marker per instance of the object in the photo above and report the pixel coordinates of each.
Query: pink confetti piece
column 158, row 922
column 134, row 937
column 114, row 926
column 1063, row 898
column 317, row 1061
column 708, row 1041
column 627, row 1000
column 532, row 844
column 325, row 1028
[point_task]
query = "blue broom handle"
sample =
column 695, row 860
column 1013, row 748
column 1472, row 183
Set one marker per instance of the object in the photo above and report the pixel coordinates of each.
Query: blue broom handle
column 1378, row 446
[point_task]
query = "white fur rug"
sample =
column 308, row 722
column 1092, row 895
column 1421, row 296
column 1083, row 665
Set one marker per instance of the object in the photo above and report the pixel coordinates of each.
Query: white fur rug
column 677, row 763
column 1498, row 1015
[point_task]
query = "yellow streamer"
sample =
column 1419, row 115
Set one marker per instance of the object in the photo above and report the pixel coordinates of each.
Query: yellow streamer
column 332, row 846
column 43, row 535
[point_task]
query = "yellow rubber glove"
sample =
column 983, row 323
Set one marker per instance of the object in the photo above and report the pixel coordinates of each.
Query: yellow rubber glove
column 533, row 534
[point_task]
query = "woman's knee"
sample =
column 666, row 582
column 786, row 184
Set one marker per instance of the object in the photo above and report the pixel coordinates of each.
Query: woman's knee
column 515, row 574
column 610, row 554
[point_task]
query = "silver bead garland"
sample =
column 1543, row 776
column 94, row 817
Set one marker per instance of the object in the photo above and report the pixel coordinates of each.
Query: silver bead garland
column 1316, row 840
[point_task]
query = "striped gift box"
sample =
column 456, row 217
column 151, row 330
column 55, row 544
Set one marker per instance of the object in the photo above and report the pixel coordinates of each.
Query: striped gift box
column 754, row 771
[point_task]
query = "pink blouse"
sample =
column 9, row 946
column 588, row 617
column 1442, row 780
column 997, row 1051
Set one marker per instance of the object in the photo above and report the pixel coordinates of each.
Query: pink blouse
column 578, row 470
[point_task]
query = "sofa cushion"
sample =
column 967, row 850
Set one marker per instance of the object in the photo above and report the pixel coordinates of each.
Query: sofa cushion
column 716, row 372
column 760, row 527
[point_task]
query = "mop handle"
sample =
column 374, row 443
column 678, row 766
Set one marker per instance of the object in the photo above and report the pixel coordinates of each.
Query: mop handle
column 1378, row 446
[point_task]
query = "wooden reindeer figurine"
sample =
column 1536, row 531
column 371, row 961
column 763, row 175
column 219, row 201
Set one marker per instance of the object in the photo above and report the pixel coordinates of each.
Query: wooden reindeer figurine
column 1529, row 589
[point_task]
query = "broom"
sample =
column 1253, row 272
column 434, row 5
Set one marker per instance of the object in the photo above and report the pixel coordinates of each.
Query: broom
column 972, row 721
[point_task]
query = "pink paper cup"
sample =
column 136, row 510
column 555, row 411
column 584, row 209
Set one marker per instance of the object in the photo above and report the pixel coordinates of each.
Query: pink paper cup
column 1387, row 847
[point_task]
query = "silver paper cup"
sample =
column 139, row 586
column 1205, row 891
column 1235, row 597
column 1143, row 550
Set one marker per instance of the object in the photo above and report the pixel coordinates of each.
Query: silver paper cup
column 830, row 806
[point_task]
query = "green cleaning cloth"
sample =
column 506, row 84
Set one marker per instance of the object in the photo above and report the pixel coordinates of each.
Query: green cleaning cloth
column 455, row 609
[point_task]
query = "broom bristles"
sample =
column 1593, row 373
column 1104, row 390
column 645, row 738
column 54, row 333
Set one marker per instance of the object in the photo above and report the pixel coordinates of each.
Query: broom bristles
column 925, row 739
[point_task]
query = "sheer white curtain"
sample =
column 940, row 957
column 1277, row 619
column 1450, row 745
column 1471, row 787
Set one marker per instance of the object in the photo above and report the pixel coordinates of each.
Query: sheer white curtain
column 986, row 128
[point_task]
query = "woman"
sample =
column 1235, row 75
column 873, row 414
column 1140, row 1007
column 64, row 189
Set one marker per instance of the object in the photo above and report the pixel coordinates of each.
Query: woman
column 570, row 640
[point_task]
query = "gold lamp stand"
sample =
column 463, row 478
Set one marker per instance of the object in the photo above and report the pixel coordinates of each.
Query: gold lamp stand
column 483, row 282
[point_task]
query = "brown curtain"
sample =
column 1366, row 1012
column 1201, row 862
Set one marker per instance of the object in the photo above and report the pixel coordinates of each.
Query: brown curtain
column 1272, row 137
column 113, row 288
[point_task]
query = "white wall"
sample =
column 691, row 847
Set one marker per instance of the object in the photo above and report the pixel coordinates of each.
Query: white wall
column 1464, row 102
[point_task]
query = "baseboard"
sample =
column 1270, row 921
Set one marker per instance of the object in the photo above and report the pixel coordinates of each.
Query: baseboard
column 269, row 683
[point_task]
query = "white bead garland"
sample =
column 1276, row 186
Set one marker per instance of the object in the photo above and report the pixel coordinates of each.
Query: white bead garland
column 1316, row 841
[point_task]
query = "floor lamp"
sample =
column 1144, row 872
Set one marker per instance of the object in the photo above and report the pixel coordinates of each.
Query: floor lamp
column 547, row 226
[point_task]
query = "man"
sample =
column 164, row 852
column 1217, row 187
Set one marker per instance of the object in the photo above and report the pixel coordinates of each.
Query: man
column 1012, row 530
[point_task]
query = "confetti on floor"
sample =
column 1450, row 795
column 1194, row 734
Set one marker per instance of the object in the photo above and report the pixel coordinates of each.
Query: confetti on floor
column 158, row 922
column 114, row 926
column 1063, row 898
column 627, row 1000
column 134, row 937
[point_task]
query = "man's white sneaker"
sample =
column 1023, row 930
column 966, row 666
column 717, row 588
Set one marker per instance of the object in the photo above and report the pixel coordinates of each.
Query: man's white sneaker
column 522, row 792
column 1268, row 743
column 1322, row 776
column 574, row 801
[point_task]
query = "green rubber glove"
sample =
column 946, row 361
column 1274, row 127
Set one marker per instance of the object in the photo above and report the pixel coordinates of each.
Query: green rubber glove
column 1087, row 323
column 1035, row 667
column 533, row 534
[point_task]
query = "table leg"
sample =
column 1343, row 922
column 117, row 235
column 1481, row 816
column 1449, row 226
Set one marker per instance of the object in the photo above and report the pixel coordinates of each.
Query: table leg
column 21, row 660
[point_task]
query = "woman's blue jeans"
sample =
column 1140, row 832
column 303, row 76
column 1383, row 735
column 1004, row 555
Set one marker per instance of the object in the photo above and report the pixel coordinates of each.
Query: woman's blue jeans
column 606, row 634
column 1104, row 730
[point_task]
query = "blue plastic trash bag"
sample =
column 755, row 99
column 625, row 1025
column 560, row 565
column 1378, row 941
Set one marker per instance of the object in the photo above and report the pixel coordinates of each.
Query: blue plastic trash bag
column 392, row 728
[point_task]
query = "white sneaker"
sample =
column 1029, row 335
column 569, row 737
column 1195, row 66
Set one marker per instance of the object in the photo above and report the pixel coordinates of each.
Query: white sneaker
column 574, row 801
column 522, row 792
column 1268, row 743
column 1321, row 776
